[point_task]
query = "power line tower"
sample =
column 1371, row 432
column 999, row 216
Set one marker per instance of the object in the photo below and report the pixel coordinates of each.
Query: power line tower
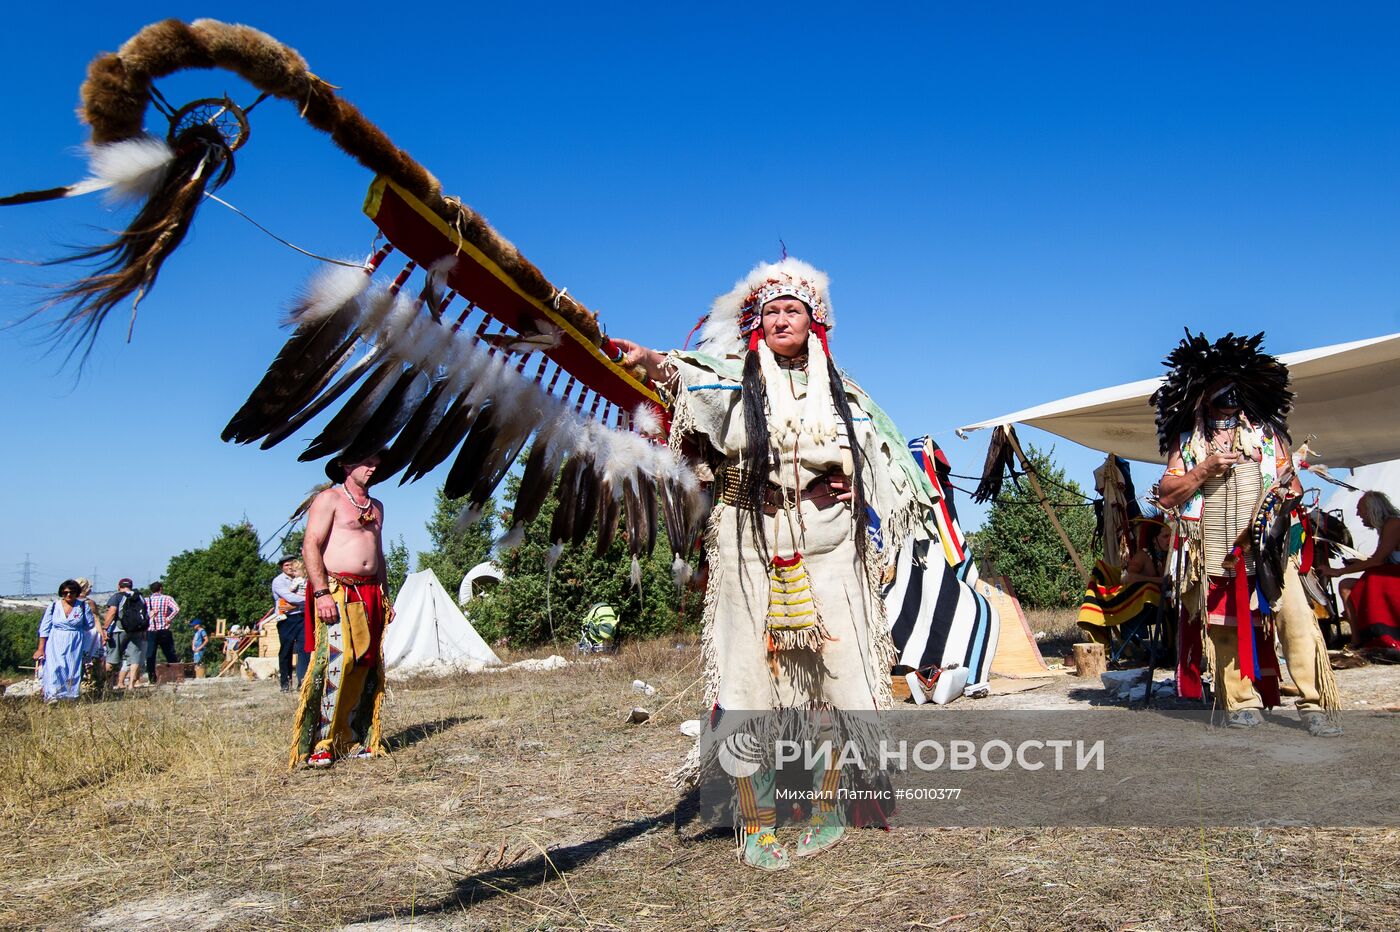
column 26, row 583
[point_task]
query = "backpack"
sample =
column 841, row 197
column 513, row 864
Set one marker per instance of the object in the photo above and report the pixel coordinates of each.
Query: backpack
column 132, row 614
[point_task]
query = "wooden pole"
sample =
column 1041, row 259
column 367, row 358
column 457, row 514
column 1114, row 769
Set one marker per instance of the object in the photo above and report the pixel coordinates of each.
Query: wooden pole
column 1045, row 503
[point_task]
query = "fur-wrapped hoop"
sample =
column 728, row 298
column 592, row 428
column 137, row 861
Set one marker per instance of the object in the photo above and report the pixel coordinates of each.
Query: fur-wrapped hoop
column 114, row 101
column 732, row 316
column 1197, row 364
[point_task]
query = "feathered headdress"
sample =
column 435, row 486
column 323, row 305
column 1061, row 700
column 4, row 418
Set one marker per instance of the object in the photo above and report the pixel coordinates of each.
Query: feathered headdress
column 1197, row 364
column 735, row 314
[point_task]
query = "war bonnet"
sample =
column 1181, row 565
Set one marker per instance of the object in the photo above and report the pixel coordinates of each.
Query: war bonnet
column 1197, row 365
column 736, row 315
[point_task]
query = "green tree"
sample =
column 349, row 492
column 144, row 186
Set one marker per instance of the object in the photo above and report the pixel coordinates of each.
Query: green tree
column 19, row 635
column 454, row 552
column 533, row 606
column 291, row 543
column 227, row 580
column 1019, row 541
column 396, row 566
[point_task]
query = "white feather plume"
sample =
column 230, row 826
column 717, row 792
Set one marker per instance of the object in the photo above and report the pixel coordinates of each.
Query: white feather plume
column 512, row 538
column 680, row 572
column 439, row 271
column 377, row 307
column 468, row 516
column 645, row 420
column 129, row 170
column 487, row 379
column 396, row 325
column 435, row 345
column 552, row 557
column 636, row 575
column 330, row 289
column 686, row 478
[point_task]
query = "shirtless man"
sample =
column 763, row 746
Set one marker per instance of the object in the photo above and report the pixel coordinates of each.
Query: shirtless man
column 344, row 556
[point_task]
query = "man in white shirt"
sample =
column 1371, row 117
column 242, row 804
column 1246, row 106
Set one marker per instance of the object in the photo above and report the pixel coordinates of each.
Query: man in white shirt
column 289, row 589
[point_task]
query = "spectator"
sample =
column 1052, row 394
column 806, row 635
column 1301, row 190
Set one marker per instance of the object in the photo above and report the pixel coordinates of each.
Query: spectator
column 97, row 639
column 308, row 643
column 64, row 637
column 290, row 593
column 233, row 642
column 163, row 610
column 127, row 622
column 1372, row 603
column 197, row 645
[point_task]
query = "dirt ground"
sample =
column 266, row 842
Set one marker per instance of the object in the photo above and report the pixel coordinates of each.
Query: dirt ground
column 524, row 801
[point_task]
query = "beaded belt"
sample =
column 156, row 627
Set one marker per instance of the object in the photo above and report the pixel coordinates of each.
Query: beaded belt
column 731, row 487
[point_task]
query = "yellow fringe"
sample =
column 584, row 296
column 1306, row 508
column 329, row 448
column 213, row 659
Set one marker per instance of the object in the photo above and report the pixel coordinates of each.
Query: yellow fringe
column 1328, row 695
column 373, row 743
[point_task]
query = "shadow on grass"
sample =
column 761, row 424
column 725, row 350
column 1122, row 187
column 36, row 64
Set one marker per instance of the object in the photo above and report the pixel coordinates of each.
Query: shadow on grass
column 408, row 737
column 542, row 868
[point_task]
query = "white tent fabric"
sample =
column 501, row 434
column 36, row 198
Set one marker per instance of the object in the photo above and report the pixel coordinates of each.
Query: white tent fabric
column 485, row 570
column 1380, row 477
column 1346, row 398
column 430, row 632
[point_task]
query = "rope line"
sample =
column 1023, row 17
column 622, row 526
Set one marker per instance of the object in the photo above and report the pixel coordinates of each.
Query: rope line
column 290, row 245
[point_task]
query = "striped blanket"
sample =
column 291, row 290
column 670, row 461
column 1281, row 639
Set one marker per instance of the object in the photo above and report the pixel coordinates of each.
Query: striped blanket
column 936, row 618
column 1108, row 603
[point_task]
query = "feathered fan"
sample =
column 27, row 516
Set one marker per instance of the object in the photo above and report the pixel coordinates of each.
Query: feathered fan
column 401, row 378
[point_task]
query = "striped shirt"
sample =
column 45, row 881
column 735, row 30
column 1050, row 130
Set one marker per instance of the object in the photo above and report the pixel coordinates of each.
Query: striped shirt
column 162, row 608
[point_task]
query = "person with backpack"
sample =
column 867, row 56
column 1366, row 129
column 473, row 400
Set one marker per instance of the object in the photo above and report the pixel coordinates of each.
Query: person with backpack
column 127, row 621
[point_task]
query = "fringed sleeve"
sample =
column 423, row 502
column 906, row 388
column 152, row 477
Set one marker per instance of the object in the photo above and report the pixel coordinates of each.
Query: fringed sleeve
column 705, row 400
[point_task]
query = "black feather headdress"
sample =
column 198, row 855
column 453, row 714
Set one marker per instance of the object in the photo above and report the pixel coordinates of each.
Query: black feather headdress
column 1198, row 364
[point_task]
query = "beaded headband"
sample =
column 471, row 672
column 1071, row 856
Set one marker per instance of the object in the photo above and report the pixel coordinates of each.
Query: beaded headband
column 750, row 313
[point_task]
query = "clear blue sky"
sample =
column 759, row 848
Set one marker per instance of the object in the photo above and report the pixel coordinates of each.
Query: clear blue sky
column 1013, row 206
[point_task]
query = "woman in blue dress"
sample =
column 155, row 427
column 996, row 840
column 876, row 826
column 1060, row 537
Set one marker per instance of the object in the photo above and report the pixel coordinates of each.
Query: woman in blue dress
column 65, row 638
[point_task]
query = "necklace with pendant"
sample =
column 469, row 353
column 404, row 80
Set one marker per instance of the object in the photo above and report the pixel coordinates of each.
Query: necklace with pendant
column 1217, row 447
column 366, row 515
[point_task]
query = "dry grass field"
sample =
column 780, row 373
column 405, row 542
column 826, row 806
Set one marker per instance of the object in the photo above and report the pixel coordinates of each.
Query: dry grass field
column 523, row 801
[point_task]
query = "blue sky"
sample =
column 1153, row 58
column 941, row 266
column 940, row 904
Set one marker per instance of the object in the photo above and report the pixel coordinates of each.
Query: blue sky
column 1013, row 204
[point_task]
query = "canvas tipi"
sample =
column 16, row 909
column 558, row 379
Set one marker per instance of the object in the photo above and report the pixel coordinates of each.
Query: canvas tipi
column 430, row 632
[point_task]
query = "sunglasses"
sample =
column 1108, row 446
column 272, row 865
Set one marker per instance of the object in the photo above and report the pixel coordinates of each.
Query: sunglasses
column 69, row 592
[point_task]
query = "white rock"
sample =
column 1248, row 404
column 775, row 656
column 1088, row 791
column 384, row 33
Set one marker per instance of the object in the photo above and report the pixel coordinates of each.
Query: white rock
column 26, row 687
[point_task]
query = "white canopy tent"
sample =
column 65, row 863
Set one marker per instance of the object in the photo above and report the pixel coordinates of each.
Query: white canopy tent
column 476, row 578
column 430, row 632
column 1346, row 398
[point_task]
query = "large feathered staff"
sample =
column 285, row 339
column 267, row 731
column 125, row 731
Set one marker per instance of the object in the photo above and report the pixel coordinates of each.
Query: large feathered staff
column 410, row 380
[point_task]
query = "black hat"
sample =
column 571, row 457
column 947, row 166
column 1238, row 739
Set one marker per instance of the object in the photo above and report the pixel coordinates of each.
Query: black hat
column 335, row 466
